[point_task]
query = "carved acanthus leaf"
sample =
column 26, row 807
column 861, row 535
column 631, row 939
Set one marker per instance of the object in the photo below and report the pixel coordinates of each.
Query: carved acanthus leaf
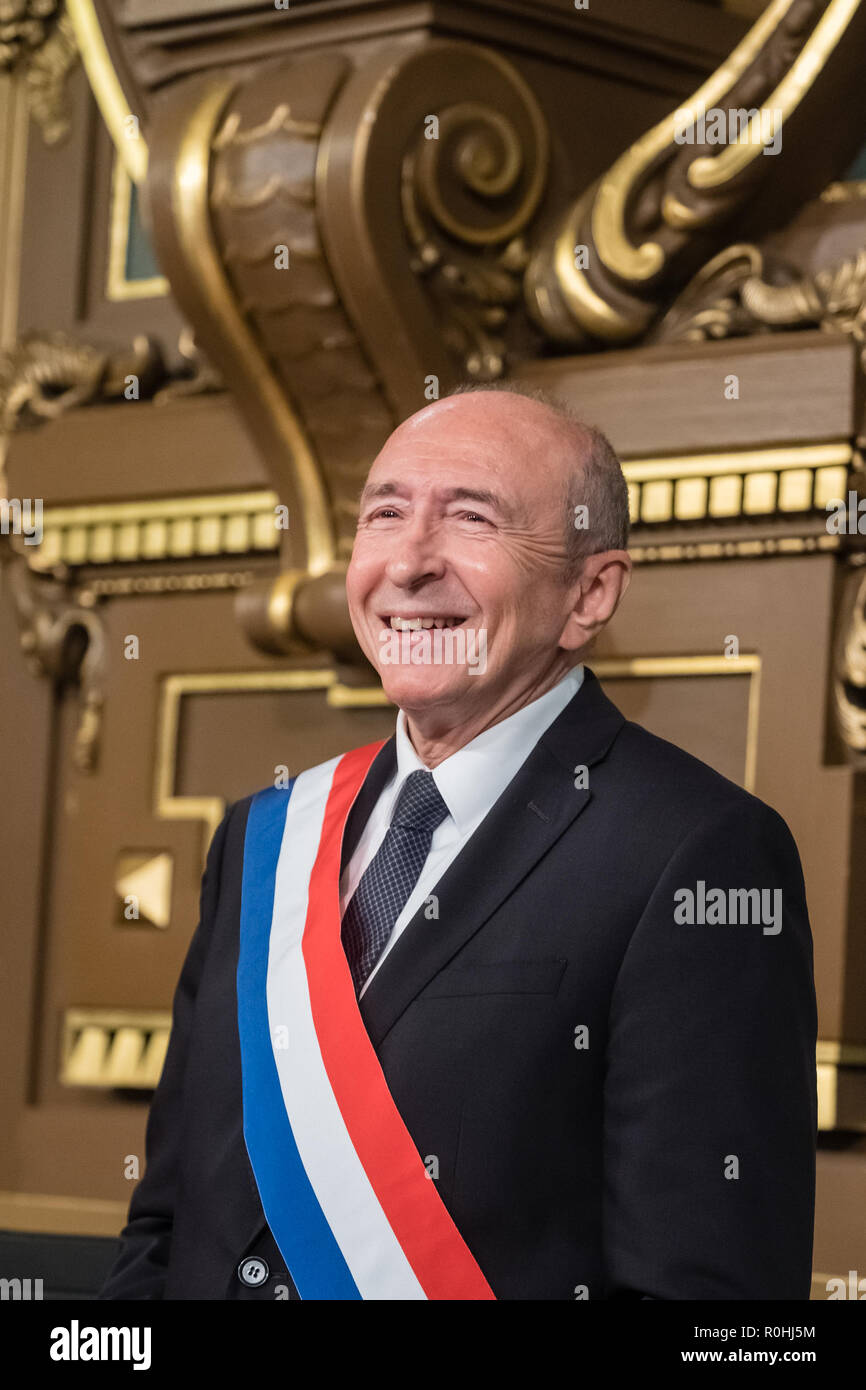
column 734, row 295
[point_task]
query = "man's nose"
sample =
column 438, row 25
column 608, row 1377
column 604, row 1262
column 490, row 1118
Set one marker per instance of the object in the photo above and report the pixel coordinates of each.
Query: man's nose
column 414, row 555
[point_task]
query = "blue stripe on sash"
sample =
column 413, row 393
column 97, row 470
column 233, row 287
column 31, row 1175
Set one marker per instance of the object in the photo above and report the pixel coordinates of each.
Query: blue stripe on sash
column 291, row 1208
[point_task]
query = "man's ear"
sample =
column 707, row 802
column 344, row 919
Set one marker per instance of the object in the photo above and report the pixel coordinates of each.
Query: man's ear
column 603, row 581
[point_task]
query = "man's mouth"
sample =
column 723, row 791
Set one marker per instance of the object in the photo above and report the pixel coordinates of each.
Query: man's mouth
column 406, row 623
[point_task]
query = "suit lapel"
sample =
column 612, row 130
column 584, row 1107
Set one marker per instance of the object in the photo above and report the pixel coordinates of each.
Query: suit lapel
column 536, row 808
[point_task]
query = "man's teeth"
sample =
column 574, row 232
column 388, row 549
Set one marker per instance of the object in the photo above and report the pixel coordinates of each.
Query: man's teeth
column 413, row 624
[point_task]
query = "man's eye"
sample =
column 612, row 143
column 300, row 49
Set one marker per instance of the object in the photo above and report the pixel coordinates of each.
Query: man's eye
column 382, row 511
column 473, row 516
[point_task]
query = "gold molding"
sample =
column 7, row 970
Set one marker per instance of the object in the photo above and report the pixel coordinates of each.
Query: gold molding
column 636, row 667
column 847, row 191
column 114, row 1048
column 191, row 212
column 159, row 528
column 281, row 600
column 834, row 1059
column 667, row 553
column 198, row 582
column 117, row 286
column 729, row 485
column 106, row 87
column 712, row 664
column 590, row 309
column 51, row 1214
column 739, row 461
column 357, row 697
column 210, row 809
column 14, row 126
column 841, row 1054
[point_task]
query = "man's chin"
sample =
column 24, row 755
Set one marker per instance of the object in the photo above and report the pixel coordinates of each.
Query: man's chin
column 420, row 687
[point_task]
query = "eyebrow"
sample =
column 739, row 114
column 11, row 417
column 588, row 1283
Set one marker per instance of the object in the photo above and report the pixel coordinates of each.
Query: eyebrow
column 451, row 494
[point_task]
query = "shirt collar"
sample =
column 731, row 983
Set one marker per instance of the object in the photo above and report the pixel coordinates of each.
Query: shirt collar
column 473, row 778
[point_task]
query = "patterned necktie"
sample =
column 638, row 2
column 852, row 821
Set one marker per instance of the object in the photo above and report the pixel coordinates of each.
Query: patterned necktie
column 389, row 878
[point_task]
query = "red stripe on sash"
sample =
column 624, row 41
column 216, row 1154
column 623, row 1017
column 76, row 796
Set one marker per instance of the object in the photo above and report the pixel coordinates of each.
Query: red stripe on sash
column 443, row 1263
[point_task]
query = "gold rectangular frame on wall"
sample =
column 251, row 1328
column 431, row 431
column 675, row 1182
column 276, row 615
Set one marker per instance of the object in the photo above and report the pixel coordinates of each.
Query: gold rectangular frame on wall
column 167, row 804
column 713, row 664
column 341, row 697
column 118, row 287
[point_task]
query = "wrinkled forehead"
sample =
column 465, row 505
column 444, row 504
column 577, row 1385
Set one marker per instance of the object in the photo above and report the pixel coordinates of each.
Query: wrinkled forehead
column 521, row 456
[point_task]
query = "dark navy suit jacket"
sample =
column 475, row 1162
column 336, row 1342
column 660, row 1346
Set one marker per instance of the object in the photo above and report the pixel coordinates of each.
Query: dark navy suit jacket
column 669, row 1154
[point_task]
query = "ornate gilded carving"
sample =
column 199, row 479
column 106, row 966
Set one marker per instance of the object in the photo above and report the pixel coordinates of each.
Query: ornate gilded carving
column 43, row 377
column 24, row 27
column 733, row 295
column 470, row 143
column 474, row 181
column 849, row 667
column 63, row 638
column 40, row 378
column 709, row 307
column 37, row 39
column 608, row 266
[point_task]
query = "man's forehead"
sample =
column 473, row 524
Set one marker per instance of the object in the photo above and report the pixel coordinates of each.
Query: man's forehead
column 457, row 456
column 444, row 490
column 518, row 459
column 445, row 461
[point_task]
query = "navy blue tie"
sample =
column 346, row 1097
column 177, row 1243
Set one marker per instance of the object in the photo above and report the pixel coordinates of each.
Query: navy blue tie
column 388, row 880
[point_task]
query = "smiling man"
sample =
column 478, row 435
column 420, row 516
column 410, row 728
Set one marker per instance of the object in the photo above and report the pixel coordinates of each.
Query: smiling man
column 444, row 1030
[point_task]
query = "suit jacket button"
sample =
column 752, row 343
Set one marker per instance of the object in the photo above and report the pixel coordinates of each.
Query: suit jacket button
column 253, row 1272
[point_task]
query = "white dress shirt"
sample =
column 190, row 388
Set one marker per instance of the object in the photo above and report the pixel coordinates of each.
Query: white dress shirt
column 469, row 782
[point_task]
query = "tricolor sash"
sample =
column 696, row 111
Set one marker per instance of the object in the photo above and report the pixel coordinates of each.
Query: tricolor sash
column 343, row 1187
